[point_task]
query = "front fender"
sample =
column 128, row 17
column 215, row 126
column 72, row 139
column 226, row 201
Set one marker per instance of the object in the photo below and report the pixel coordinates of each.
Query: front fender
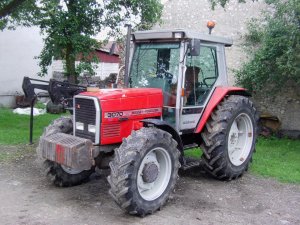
column 166, row 127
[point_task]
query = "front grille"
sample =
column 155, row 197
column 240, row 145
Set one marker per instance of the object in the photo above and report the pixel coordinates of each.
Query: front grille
column 85, row 112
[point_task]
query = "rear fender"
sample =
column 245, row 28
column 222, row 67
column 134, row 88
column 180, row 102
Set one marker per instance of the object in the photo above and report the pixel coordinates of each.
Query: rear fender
column 218, row 95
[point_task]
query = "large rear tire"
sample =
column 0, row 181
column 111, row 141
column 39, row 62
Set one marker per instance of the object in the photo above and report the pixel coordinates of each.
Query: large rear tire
column 59, row 175
column 144, row 171
column 229, row 138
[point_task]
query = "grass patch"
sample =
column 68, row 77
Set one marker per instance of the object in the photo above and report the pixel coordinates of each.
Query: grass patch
column 14, row 128
column 277, row 158
column 193, row 153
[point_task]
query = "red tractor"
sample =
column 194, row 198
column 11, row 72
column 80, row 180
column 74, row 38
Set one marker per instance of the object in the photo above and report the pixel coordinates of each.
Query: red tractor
column 177, row 98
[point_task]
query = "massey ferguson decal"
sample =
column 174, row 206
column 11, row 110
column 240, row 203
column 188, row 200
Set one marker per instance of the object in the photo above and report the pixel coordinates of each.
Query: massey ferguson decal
column 129, row 113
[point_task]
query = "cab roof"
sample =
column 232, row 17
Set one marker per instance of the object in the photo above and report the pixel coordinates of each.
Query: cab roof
column 179, row 34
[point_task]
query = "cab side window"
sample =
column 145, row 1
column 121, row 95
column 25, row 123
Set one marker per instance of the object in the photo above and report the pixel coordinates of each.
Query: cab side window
column 200, row 76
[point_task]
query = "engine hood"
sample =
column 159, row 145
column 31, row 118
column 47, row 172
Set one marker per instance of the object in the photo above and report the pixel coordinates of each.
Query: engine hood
column 106, row 94
column 112, row 100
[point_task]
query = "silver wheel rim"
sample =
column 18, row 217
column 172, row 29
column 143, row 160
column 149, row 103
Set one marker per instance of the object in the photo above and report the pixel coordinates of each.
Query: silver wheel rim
column 161, row 158
column 70, row 170
column 240, row 139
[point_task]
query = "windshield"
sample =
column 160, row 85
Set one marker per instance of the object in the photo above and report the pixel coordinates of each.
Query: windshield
column 155, row 65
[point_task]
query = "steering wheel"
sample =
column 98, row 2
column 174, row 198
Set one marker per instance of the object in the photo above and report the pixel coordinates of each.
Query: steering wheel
column 208, row 78
column 162, row 73
column 168, row 75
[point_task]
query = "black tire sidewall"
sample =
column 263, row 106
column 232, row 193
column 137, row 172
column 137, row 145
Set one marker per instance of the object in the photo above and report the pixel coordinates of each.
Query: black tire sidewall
column 126, row 164
column 247, row 110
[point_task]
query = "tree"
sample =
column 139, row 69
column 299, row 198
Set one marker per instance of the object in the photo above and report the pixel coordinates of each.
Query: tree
column 273, row 44
column 16, row 11
column 69, row 27
column 7, row 7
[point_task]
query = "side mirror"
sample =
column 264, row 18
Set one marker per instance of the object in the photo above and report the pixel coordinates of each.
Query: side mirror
column 194, row 46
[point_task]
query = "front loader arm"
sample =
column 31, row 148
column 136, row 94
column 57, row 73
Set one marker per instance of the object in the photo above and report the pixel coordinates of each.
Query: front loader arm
column 63, row 92
column 29, row 88
column 58, row 91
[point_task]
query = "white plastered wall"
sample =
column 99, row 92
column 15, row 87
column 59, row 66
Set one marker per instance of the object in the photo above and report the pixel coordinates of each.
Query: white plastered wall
column 17, row 51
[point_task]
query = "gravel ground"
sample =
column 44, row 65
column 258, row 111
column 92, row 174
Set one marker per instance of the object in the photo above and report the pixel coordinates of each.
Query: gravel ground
column 27, row 198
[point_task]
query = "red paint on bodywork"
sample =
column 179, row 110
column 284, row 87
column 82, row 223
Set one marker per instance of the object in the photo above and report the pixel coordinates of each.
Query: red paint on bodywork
column 114, row 129
column 137, row 125
column 59, row 154
column 216, row 98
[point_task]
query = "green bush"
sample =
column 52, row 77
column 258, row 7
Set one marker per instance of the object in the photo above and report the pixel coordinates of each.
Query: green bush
column 273, row 45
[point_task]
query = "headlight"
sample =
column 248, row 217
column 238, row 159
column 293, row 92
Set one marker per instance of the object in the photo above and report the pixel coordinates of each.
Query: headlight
column 92, row 128
column 79, row 126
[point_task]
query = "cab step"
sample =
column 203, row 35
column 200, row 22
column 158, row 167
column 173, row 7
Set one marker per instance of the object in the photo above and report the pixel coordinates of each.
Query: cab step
column 191, row 164
column 190, row 146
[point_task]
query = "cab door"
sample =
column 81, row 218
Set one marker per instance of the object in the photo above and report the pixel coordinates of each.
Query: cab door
column 199, row 80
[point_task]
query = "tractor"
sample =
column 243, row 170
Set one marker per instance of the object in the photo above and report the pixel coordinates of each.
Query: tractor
column 176, row 98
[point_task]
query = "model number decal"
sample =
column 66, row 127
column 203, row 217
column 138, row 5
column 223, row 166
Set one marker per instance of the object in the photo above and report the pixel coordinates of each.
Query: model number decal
column 131, row 113
column 113, row 114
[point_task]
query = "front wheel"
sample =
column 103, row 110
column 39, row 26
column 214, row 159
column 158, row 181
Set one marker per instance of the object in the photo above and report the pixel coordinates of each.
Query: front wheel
column 144, row 171
column 229, row 138
column 63, row 176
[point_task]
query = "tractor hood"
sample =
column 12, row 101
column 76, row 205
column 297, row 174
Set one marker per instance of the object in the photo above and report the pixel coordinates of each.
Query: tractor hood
column 105, row 94
column 112, row 100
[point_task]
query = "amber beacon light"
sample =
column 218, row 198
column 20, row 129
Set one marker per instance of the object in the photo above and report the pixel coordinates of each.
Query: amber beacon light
column 210, row 24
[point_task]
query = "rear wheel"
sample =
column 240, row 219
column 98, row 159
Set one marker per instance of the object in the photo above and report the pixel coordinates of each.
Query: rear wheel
column 144, row 171
column 60, row 175
column 229, row 138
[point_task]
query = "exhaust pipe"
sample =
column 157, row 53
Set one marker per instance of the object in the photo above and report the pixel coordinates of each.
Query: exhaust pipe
column 127, row 54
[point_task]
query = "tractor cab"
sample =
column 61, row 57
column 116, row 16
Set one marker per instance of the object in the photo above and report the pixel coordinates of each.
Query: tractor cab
column 186, row 65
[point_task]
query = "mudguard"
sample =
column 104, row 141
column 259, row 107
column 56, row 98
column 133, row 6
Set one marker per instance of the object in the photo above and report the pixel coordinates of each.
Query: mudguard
column 217, row 96
column 166, row 127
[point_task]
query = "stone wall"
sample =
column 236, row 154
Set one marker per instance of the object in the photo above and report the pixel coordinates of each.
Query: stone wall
column 284, row 105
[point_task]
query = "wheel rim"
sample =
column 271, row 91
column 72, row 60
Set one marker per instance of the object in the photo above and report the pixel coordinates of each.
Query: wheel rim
column 154, row 174
column 240, row 139
column 70, row 170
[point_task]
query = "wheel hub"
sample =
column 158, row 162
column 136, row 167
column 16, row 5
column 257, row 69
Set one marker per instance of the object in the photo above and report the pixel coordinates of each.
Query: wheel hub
column 150, row 172
column 70, row 170
column 154, row 173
